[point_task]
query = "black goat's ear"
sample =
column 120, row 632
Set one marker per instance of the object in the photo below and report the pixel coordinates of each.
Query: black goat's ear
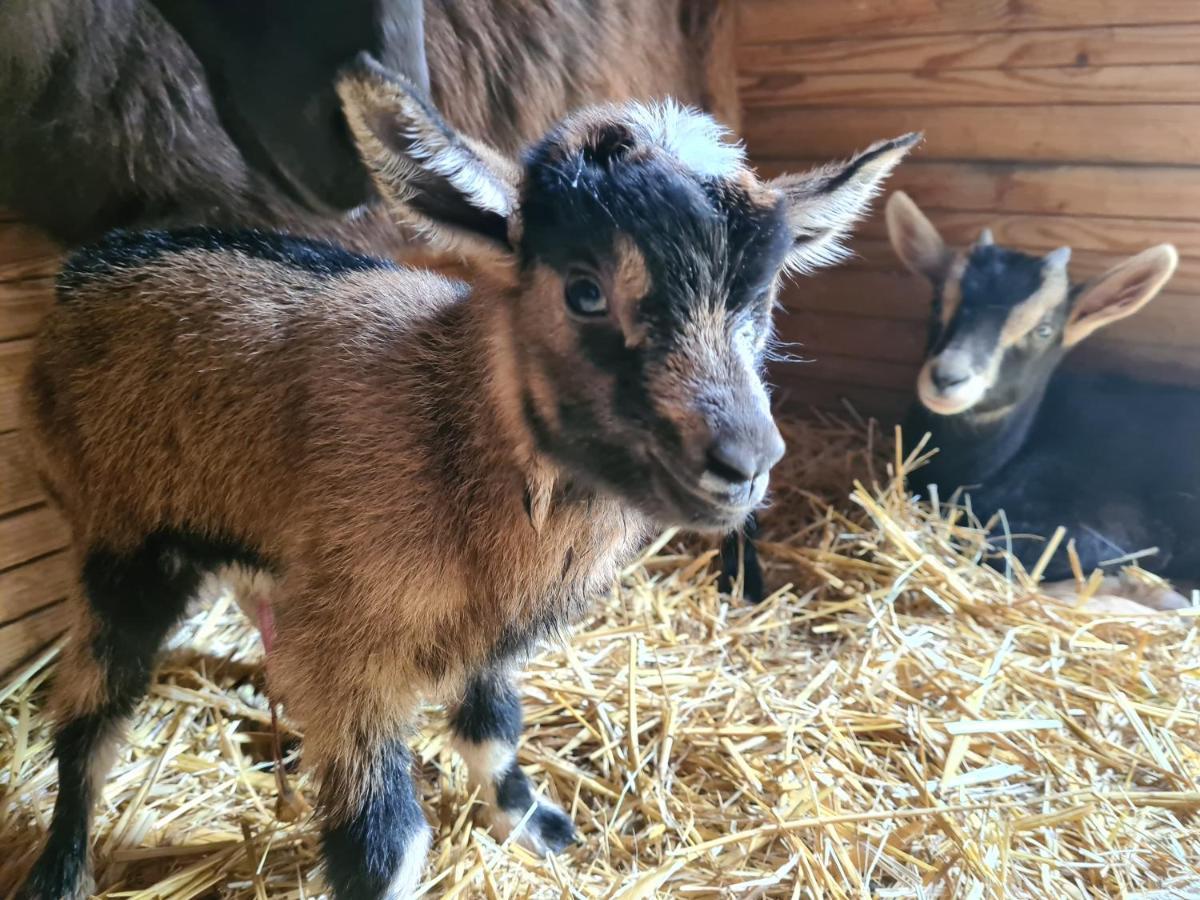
column 1120, row 292
column 457, row 192
column 916, row 241
column 824, row 204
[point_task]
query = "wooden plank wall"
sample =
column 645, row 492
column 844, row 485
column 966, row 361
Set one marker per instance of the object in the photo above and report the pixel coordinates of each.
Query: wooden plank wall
column 35, row 574
column 1052, row 121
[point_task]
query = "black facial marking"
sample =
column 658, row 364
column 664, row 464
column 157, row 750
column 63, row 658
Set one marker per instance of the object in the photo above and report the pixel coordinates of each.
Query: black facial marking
column 132, row 249
column 704, row 242
column 364, row 853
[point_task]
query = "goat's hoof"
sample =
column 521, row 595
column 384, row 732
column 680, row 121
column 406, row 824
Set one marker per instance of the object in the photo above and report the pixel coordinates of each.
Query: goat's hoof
column 547, row 829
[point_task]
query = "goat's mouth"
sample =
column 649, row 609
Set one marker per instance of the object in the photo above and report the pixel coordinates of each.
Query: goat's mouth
column 953, row 400
column 693, row 503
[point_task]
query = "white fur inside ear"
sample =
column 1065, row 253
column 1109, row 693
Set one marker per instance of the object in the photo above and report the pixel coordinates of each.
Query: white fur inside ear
column 694, row 138
column 462, row 168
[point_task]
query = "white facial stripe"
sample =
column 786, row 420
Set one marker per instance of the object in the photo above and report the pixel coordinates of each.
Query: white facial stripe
column 952, row 289
column 1026, row 315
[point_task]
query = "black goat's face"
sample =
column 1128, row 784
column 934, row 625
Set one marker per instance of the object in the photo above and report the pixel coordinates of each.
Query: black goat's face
column 644, row 259
column 1002, row 319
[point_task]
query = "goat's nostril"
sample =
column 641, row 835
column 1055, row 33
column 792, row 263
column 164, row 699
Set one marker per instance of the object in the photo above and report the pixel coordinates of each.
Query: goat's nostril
column 732, row 462
column 945, row 379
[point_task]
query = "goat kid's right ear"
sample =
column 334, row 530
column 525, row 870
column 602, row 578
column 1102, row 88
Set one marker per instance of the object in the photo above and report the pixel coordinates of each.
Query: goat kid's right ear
column 915, row 240
column 823, row 205
column 458, row 193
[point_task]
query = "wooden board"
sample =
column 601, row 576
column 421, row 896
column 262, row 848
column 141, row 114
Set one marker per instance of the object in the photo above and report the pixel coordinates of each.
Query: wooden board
column 1153, row 134
column 14, row 357
column 22, row 305
column 30, row 534
column 19, row 487
column 774, row 21
column 23, row 638
column 1087, row 85
column 877, row 255
column 34, row 585
column 1167, row 193
column 1111, row 46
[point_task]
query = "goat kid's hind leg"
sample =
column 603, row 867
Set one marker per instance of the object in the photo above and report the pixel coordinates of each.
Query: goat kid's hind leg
column 130, row 603
column 375, row 835
column 487, row 727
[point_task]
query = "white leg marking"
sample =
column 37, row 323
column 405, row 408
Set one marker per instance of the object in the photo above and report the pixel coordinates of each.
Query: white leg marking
column 408, row 876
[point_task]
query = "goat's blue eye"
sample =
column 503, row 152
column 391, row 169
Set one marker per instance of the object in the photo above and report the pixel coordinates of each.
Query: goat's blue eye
column 585, row 297
column 1045, row 331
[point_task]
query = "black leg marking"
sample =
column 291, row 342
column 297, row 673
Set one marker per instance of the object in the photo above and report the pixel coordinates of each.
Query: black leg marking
column 487, row 726
column 378, row 851
column 135, row 599
column 738, row 552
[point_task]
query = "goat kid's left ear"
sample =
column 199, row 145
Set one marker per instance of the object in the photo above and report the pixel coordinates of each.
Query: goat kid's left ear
column 824, row 204
column 1120, row 292
column 457, row 192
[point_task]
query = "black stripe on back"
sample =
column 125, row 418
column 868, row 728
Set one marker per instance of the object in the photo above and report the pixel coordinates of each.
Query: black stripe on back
column 130, row 249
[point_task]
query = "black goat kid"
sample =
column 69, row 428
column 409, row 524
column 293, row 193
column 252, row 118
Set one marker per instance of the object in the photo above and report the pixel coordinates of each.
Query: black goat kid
column 1111, row 460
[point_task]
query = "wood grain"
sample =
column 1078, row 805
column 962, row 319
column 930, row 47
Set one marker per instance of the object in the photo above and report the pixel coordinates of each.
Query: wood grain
column 1106, row 46
column 773, row 21
column 14, row 357
column 23, row 638
column 1119, row 237
column 877, row 255
column 18, row 486
column 1150, row 192
column 30, row 534
column 34, row 585
column 22, row 305
column 1102, row 85
column 1157, row 134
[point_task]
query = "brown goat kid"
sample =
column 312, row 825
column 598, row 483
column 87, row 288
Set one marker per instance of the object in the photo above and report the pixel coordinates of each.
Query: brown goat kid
column 422, row 479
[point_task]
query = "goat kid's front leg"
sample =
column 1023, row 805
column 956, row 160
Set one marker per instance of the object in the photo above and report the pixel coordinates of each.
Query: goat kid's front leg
column 487, row 727
column 739, row 556
column 375, row 836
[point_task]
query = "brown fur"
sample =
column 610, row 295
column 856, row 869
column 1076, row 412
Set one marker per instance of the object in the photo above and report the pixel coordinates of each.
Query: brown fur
column 387, row 484
column 107, row 117
column 434, row 475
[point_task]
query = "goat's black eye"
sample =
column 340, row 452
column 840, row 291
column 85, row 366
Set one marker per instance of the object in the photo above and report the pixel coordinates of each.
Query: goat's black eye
column 585, row 297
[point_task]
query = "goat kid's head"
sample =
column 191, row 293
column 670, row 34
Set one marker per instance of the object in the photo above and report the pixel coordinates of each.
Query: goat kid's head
column 643, row 258
column 1002, row 320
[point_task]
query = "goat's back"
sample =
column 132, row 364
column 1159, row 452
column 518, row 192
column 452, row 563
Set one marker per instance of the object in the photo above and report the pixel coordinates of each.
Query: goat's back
column 178, row 379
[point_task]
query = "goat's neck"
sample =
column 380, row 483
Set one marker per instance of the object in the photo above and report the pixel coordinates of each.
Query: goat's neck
column 971, row 449
column 488, row 347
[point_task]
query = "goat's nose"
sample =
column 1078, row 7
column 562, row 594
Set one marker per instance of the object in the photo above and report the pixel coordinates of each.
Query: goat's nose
column 949, row 374
column 737, row 457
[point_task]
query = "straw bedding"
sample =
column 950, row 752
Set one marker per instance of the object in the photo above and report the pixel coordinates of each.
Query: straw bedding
column 898, row 720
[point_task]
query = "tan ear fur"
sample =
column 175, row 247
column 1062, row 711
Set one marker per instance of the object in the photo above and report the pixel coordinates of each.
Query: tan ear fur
column 1120, row 292
column 456, row 192
column 914, row 238
column 824, row 204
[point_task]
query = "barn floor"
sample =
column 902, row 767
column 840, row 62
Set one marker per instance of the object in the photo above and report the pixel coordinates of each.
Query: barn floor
column 896, row 720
